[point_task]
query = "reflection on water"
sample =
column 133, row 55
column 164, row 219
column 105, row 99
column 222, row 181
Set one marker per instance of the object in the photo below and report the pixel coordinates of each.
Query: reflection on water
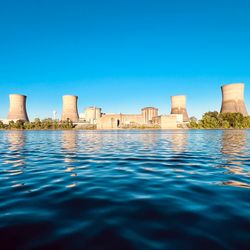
column 16, row 142
column 234, row 146
column 236, row 184
column 234, row 142
column 91, row 142
column 179, row 141
column 15, row 161
column 148, row 140
column 69, row 146
column 125, row 189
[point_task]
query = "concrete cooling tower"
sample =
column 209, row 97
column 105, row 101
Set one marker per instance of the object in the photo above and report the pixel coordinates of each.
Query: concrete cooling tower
column 148, row 114
column 179, row 106
column 70, row 110
column 18, row 108
column 233, row 98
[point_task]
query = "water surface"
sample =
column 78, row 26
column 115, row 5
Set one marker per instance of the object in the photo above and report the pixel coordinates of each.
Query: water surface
column 125, row 189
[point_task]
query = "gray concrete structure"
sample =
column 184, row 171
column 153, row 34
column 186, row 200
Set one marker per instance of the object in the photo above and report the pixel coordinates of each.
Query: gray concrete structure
column 92, row 114
column 148, row 114
column 70, row 110
column 233, row 98
column 179, row 106
column 17, row 109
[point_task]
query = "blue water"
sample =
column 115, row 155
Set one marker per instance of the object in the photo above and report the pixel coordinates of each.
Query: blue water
column 125, row 189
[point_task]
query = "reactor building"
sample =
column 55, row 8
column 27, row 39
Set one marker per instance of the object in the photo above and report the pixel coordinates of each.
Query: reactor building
column 148, row 117
column 17, row 109
column 233, row 99
column 70, row 110
column 179, row 106
column 148, row 113
column 114, row 121
column 91, row 115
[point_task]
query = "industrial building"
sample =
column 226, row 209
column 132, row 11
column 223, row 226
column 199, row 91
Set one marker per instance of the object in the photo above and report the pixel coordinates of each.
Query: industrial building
column 114, row 121
column 233, row 98
column 90, row 115
column 148, row 114
column 172, row 121
column 148, row 118
column 232, row 101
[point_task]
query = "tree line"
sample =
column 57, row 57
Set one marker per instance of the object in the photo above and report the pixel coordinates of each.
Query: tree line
column 38, row 124
column 210, row 120
column 216, row 120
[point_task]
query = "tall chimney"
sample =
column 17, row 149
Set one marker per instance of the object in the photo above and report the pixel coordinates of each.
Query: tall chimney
column 179, row 106
column 233, row 98
column 18, row 108
column 70, row 110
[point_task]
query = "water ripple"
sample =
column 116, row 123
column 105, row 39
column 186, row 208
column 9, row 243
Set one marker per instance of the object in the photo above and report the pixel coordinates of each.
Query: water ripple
column 125, row 189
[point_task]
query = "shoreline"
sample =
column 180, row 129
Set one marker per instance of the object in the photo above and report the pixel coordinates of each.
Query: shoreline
column 132, row 129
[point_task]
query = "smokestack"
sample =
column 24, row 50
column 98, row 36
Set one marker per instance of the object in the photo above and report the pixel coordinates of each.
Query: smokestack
column 233, row 98
column 18, row 108
column 148, row 114
column 179, row 106
column 70, row 110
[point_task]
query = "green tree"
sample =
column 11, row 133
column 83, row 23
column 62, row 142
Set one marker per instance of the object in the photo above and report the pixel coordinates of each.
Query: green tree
column 11, row 125
column 213, row 120
column 210, row 120
column 19, row 124
column 67, row 124
column 2, row 125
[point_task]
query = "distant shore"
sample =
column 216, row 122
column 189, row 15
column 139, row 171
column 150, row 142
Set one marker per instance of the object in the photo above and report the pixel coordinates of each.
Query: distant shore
column 127, row 129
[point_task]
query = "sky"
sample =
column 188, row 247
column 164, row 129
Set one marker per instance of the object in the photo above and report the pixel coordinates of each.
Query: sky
column 122, row 55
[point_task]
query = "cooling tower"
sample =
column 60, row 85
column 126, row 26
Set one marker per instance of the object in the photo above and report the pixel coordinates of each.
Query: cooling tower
column 148, row 114
column 179, row 106
column 233, row 98
column 70, row 110
column 18, row 108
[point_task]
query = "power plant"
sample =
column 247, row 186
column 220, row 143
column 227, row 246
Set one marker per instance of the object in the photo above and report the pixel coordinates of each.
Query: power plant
column 113, row 121
column 91, row 115
column 70, row 110
column 18, row 108
column 233, row 98
column 148, row 114
column 179, row 106
column 232, row 101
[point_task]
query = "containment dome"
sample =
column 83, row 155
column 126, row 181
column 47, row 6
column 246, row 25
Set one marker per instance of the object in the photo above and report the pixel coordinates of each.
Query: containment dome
column 179, row 106
column 233, row 98
column 70, row 110
column 18, row 108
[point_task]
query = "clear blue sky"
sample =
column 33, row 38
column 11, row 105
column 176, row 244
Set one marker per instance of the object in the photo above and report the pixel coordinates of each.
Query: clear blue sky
column 122, row 55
